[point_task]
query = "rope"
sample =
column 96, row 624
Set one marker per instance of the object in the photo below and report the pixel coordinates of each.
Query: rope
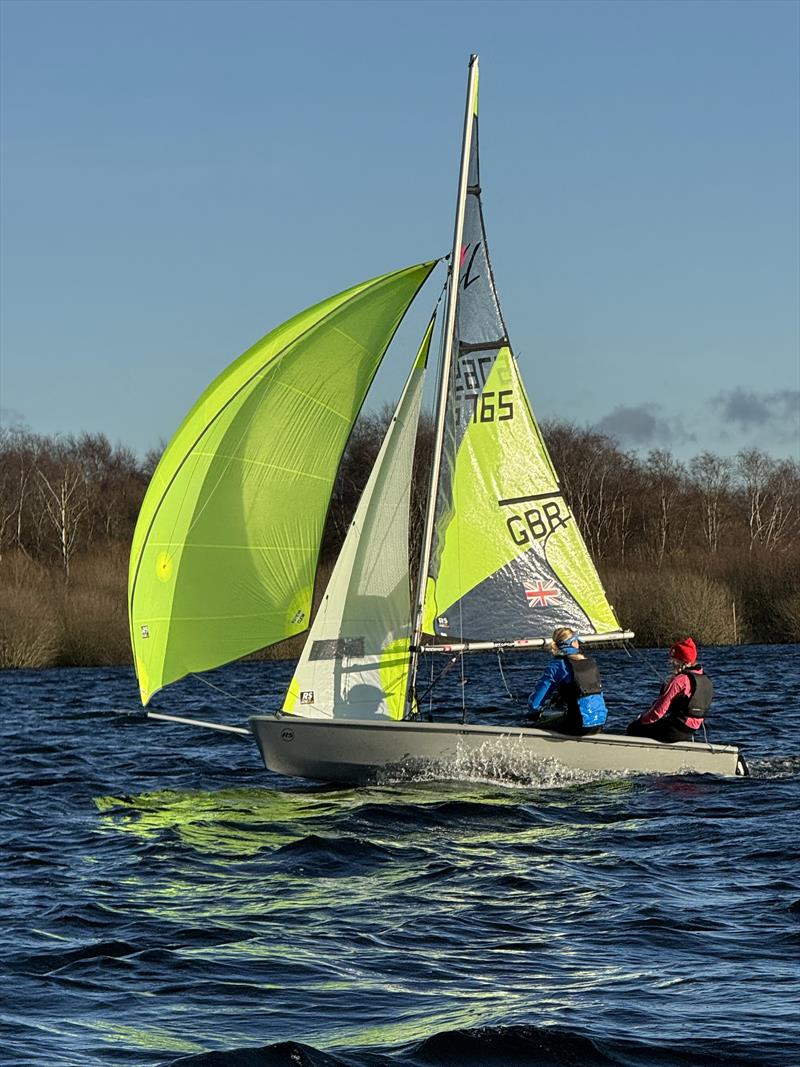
column 430, row 690
column 628, row 647
column 447, row 667
column 230, row 696
column 444, row 287
column 463, row 694
column 514, row 699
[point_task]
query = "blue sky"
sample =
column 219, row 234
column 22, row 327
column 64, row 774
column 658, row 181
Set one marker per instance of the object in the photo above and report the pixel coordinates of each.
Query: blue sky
column 178, row 178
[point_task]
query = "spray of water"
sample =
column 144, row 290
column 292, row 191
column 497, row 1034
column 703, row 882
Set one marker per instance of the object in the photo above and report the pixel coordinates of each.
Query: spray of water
column 504, row 762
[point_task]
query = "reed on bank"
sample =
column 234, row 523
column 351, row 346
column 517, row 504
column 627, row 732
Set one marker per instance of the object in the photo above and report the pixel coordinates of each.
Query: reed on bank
column 710, row 548
column 45, row 622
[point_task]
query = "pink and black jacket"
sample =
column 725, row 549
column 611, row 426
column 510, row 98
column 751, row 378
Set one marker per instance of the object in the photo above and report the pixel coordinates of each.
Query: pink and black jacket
column 685, row 699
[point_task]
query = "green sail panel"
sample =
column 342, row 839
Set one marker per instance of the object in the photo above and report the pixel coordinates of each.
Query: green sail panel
column 508, row 561
column 356, row 660
column 226, row 545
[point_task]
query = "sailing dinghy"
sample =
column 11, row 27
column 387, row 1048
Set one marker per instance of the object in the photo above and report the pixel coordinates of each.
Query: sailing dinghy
column 226, row 547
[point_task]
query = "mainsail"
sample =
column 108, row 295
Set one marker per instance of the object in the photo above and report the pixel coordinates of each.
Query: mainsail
column 226, row 545
column 356, row 660
column 507, row 561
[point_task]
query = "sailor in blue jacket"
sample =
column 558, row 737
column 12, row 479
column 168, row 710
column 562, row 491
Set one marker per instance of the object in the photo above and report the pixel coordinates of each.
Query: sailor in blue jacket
column 572, row 682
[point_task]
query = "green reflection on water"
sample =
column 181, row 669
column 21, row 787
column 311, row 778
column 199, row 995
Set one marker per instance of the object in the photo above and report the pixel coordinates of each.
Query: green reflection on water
column 222, row 877
column 343, row 929
column 483, row 1009
column 153, row 1037
column 230, row 822
column 243, row 822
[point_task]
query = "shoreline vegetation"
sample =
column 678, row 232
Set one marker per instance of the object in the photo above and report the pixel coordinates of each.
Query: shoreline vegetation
column 709, row 548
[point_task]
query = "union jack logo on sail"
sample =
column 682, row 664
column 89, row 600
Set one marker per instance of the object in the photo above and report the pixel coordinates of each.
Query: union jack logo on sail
column 542, row 594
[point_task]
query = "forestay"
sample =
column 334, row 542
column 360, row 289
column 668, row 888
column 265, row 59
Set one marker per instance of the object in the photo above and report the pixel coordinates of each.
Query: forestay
column 226, row 545
column 508, row 561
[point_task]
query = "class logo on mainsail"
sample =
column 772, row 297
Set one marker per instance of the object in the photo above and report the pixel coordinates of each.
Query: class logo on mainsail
column 542, row 594
column 467, row 278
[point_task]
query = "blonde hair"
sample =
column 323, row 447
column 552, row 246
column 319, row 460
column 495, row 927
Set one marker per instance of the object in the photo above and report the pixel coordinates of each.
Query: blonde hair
column 562, row 634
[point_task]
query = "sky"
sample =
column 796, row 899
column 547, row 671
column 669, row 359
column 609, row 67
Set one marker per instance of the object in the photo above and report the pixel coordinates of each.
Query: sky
column 180, row 177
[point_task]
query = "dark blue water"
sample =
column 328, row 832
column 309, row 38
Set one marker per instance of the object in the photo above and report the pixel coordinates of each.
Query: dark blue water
column 166, row 900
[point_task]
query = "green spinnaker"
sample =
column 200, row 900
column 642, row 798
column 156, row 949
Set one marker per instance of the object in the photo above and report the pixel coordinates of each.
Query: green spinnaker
column 226, row 545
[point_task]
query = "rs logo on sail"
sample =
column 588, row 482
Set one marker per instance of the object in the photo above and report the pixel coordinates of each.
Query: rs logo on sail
column 534, row 523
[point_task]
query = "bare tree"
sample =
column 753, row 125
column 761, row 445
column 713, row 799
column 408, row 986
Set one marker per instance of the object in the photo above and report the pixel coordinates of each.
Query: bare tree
column 65, row 502
column 666, row 478
column 595, row 478
column 423, row 457
column 357, row 461
column 20, row 451
column 780, row 515
column 770, row 489
column 114, row 483
column 713, row 476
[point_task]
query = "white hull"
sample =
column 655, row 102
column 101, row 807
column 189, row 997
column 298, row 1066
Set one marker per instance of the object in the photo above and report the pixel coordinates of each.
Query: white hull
column 356, row 752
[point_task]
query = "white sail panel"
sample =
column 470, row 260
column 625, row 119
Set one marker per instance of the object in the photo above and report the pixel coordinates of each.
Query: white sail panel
column 356, row 660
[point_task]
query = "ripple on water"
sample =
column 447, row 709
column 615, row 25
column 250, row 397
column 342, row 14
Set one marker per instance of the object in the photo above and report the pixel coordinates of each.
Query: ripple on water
column 488, row 911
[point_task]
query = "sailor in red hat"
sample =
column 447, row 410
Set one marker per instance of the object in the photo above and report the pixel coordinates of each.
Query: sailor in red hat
column 682, row 705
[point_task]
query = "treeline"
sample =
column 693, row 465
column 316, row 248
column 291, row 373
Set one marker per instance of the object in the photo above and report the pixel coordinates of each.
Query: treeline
column 710, row 547
column 68, row 506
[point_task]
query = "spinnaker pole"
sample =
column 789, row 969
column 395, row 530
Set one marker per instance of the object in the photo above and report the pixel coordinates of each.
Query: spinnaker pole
column 444, row 372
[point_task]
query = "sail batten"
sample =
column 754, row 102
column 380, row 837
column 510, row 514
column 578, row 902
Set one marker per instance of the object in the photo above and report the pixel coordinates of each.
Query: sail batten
column 228, row 531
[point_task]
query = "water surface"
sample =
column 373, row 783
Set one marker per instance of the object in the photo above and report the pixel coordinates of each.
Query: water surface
column 168, row 901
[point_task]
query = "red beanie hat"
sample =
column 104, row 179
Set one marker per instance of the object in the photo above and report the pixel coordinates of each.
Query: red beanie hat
column 684, row 651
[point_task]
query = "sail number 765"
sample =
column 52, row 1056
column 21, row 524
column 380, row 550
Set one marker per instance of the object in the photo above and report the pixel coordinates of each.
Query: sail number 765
column 490, row 406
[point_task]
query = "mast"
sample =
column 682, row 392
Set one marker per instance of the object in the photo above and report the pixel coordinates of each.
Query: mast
column 444, row 370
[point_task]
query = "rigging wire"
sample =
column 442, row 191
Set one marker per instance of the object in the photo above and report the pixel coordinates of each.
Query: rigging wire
column 463, row 690
column 444, row 286
column 629, row 649
column 430, row 692
column 512, row 696
column 452, row 456
column 230, row 696
column 445, row 670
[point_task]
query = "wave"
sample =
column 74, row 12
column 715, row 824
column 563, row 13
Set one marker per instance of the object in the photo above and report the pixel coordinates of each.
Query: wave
column 323, row 855
column 50, row 962
column 776, row 767
column 501, row 1046
column 282, row 1054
